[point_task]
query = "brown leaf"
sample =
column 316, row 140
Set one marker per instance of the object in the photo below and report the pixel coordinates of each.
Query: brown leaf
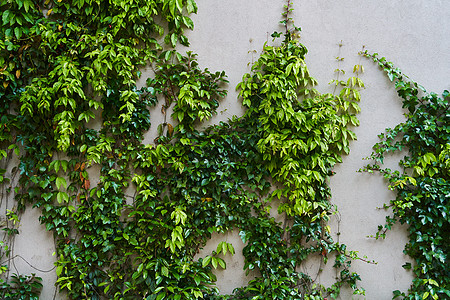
column 169, row 129
column 87, row 184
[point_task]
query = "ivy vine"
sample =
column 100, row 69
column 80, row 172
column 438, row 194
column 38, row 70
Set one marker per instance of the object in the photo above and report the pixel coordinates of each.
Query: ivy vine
column 423, row 186
column 65, row 65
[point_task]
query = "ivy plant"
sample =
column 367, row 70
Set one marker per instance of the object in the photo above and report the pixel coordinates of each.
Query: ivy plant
column 423, row 186
column 65, row 65
column 300, row 135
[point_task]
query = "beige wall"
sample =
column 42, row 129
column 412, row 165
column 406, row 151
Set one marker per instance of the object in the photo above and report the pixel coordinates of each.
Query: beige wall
column 413, row 34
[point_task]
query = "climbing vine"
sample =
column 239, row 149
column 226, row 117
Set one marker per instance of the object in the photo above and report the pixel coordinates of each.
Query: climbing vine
column 423, row 186
column 71, row 110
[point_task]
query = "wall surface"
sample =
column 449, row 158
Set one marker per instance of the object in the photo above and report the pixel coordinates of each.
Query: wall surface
column 413, row 34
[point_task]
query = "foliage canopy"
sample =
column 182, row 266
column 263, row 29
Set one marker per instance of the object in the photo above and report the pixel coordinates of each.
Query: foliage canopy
column 423, row 187
column 65, row 65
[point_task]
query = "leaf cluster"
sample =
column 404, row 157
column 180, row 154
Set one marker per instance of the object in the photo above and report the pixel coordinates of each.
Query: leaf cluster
column 422, row 188
column 137, row 231
column 21, row 287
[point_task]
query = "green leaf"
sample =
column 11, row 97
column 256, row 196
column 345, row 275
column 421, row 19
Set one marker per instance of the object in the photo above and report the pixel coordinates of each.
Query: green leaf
column 64, row 164
column 198, row 294
column 231, row 248
column 140, row 268
column 59, row 270
column 206, row 261
column 222, row 263
column 191, row 6
column 172, row 6
column 161, row 296
column 188, row 22
column 60, row 181
column 433, row 282
column 5, row 17
column 243, row 236
column 197, row 279
column 179, row 5
column 214, row 262
column 62, row 197
column 224, row 248
column 55, row 165
column 18, row 32
column 165, row 271
column 407, row 266
column 26, row 5
column 173, row 40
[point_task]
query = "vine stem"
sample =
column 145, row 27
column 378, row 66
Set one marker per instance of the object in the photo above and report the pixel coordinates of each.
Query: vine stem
column 338, row 66
column 28, row 263
column 287, row 18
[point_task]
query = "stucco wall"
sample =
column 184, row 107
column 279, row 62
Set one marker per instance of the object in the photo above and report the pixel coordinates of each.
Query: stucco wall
column 413, row 34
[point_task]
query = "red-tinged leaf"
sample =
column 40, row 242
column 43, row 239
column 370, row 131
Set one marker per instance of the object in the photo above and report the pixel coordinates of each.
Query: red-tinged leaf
column 86, row 184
